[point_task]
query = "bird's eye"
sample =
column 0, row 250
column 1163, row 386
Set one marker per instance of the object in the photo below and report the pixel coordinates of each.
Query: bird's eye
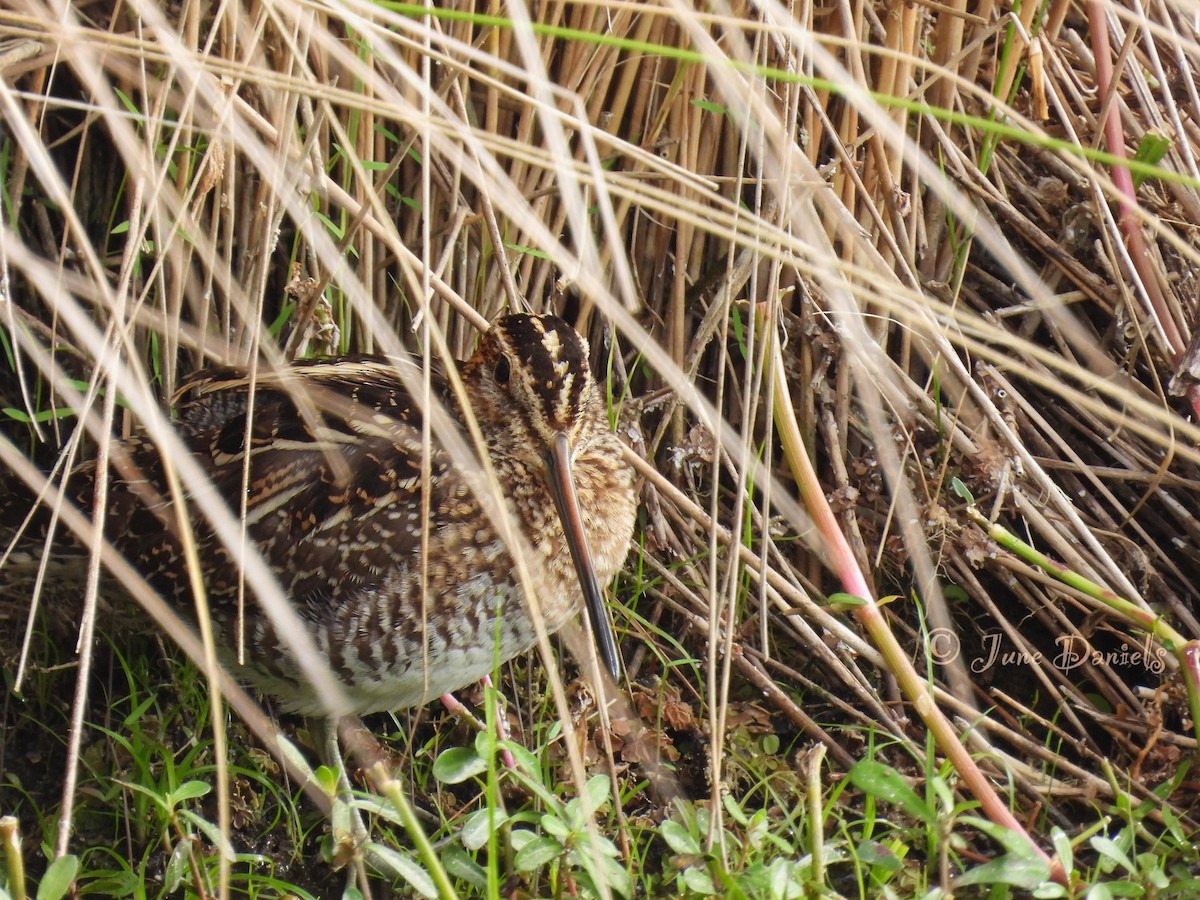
column 503, row 370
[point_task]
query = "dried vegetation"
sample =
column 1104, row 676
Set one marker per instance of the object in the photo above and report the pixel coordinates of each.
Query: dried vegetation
column 923, row 201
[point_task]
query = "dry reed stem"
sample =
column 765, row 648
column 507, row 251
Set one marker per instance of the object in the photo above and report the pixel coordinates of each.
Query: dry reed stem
column 906, row 264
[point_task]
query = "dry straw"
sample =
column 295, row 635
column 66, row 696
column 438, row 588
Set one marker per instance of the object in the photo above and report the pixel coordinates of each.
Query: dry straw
column 957, row 246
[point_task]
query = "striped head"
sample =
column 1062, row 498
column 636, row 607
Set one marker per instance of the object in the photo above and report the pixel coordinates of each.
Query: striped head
column 531, row 389
column 530, row 382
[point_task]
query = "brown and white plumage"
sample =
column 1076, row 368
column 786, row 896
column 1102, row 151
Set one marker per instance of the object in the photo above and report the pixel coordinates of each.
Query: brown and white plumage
column 333, row 497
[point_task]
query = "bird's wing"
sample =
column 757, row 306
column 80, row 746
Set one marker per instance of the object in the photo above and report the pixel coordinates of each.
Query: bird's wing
column 332, row 491
column 334, row 483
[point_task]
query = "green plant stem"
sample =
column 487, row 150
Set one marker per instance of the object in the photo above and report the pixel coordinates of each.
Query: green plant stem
column 1186, row 652
column 918, row 691
column 388, row 786
column 815, row 817
column 10, row 834
column 1024, row 133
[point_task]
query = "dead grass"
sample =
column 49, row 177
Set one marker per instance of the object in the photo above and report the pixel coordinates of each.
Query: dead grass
column 967, row 286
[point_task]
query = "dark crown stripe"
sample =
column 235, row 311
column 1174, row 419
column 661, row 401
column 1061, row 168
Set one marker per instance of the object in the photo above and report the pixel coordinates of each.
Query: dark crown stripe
column 555, row 356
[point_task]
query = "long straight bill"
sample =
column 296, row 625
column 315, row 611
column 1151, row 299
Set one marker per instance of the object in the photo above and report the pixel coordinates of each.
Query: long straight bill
column 562, row 488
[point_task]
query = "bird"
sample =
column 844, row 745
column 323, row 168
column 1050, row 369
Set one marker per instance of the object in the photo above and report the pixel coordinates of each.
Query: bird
column 382, row 540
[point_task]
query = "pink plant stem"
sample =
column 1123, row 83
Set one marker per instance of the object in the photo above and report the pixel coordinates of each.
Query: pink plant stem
column 1114, row 138
column 455, row 707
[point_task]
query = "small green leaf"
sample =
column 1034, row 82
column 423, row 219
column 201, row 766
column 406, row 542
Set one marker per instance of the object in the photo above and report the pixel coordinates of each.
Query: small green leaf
column 285, row 313
column 45, row 415
column 537, row 853
column 885, row 783
column 486, row 744
column 679, row 839
column 1021, row 872
column 1020, row 866
column 733, row 810
column 878, row 856
column 961, row 490
column 528, row 251
column 1150, row 866
column 525, row 760
column 739, row 329
column 210, row 831
column 1172, row 824
column 457, row 764
column 709, row 106
column 135, row 715
column 520, row 837
column 840, row 602
column 177, row 867
column 1151, row 149
column 612, row 872
column 327, row 779
column 459, row 865
column 115, row 884
column 479, row 826
column 1109, row 850
column 698, row 881
column 189, row 790
column 955, row 593
column 1062, row 848
column 336, row 230
column 57, row 880
column 534, row 783
column 410, row 870
column 556, row 827
column 596, row 792
column 1050, row 890
column 126, row 102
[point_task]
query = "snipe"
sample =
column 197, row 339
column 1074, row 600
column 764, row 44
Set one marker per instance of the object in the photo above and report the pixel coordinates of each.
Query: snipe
column 402, row 606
